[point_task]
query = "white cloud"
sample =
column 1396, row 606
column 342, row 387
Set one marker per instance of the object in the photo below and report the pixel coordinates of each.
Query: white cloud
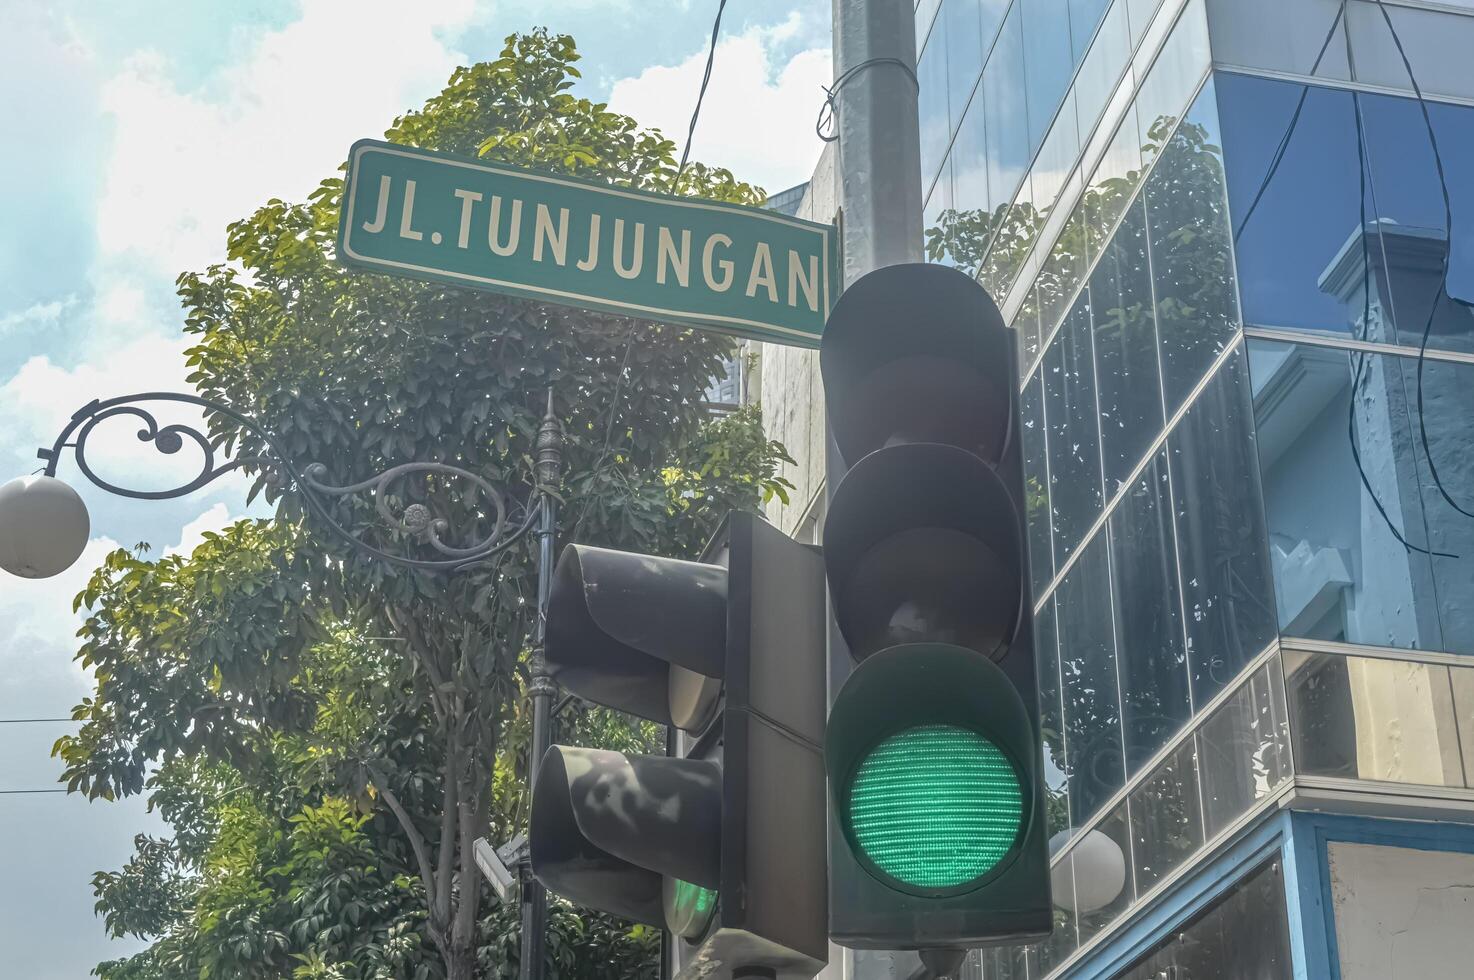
column 217, row 518
column 183, row 166
column 758, row 116
column 37, row 314
column 41, row 396
column 38, row 638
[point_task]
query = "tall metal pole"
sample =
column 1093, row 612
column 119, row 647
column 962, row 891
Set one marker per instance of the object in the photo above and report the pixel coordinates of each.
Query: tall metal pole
column 880, row 207
column 879, row 146
column 549, row 471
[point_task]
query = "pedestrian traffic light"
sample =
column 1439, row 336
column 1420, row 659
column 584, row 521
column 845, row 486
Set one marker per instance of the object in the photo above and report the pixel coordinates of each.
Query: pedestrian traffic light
column 932, row 749
column 722, row 843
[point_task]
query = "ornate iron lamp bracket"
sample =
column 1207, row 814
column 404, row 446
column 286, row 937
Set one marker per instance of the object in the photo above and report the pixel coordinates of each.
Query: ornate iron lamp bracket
column 416, row 519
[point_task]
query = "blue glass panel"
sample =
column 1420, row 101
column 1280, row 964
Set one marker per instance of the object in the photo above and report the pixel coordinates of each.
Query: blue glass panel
column 938, row 215
column 1341, row 571
column 1008, row 120
column 1048, row 61
column 1153, row 660
column 1074, row 444
column 964, row 51
column 1102, row 68
column 1087, row 660
column 1126, row 369
column 1192, row 252
column 1084, row 16
column 1228, row 597
column 931, row 106
column 1408, row 202
column 1306, row 211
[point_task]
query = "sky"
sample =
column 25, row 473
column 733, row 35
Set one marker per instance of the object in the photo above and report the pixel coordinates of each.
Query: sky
column 133, row 132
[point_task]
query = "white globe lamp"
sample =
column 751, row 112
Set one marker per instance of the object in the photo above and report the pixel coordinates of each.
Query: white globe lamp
column 1099, row 872
column 43, row 527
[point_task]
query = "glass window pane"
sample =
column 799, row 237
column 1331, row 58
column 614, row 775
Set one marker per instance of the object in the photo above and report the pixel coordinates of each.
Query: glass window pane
column 1228, row 600
column 1126, row 368
column 1008, row 121
column 1172, row 79
column 1307, row 209
column 1036, row 480
column 1152, row 659
column 1048, row 61
column 971, row 228
column 1103, row 873
column 1062, row 275
column 1065, row 938
column 1366, row 718
column 1243, row 750
column 1051, row 721
column 938, row 218
column 1245, row 935
column 1411, row 226
column 1084, row 16
column 1102, row 68
column 1010, row 246
column 1192, row 253
column 931, row 106
column 964, row 51
column 1462, row 681
column 1027, row 325
column 1074, row 447
column 1341, row 572
column 1056, row 158
column 1140, row 13
column 1087, row 654
column 926, row 11
column 1166, row 819
column 1448, row 410
column 1113, row 185
column 993, row 12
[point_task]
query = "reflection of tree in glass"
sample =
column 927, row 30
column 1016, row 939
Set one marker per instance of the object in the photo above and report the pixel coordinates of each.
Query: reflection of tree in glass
column 1189, row 216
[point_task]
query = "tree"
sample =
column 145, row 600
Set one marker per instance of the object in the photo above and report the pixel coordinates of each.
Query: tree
column 386, row 697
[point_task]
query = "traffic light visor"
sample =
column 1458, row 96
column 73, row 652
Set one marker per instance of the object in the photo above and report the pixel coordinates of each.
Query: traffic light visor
column 917, row 353
column 620, row 624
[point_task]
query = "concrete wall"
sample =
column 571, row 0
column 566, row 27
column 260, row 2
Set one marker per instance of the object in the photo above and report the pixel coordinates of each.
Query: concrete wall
column 1401, row 912
column 785, row 380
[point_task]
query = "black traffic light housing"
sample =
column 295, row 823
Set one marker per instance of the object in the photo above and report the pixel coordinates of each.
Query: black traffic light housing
column 723, row 844
column 928, row 572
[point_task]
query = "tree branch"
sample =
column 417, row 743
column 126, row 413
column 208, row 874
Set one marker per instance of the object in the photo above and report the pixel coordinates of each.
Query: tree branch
column 451, row 801
column 417, row 840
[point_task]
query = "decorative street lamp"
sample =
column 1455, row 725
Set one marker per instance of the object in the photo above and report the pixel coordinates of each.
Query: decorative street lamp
column 44, row 524
column 44, row 527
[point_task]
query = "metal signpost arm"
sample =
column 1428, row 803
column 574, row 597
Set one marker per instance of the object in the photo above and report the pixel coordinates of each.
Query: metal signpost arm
column 540, row 686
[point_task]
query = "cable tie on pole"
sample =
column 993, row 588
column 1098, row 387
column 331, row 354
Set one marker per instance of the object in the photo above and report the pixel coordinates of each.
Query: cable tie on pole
column 826, row 127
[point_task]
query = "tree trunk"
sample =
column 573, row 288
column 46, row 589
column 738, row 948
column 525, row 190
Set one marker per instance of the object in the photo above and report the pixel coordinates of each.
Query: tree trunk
column 460, row 963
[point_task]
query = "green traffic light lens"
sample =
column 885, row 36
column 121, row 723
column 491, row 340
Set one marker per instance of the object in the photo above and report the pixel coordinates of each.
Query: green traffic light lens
column 935, row 806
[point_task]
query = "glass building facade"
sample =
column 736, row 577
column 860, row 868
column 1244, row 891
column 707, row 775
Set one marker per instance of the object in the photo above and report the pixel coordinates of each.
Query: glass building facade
column 1250, row 495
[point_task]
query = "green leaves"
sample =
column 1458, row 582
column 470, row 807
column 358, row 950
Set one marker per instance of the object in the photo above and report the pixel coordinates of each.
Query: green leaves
column 274, row 690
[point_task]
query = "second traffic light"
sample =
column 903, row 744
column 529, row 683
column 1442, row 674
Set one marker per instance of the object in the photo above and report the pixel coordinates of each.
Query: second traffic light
column 723, row 843
column 932, row 747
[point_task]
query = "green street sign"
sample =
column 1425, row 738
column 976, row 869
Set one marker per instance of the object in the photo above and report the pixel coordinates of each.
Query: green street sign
column 740, row 270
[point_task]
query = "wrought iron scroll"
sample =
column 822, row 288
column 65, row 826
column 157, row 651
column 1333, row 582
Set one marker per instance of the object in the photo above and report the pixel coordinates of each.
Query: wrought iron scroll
column 416, row 519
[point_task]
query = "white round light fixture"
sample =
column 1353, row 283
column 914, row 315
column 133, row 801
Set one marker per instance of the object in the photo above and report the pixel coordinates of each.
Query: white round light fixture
column 43, row 527
column 1099, row 872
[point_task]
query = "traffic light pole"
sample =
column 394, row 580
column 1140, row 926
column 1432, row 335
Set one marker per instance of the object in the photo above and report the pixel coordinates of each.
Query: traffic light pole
column 880, row 199
column 876, row 122
column 541, row 686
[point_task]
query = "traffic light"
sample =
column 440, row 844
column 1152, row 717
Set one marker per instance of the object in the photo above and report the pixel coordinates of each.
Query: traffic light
column 932, row 749
column 722, row 843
